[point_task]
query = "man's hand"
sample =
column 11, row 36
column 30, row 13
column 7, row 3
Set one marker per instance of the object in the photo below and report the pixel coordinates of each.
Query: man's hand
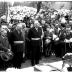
column 23, row 55
column 42, row 34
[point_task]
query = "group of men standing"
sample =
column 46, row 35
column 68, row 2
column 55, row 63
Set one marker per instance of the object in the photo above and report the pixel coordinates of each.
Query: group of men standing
column 17, row 42
column 35, row 35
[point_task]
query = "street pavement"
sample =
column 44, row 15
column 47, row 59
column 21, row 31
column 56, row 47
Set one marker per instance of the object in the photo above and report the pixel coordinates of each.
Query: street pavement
column 51, row 59
column 43, row 60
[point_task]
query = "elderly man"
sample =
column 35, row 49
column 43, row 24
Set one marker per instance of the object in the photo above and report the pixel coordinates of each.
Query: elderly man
column 17, row 44
column 4, row 45
column 35, row 35
column 4, row 40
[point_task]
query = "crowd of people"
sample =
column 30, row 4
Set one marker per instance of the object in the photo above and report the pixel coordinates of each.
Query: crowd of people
column 43, row 34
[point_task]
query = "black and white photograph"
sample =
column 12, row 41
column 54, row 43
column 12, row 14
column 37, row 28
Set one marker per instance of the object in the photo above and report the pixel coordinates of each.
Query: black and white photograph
column 35, row 36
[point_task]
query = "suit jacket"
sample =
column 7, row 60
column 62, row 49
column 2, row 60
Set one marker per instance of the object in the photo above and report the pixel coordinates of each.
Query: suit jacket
column 33, row 33
column 4, row 43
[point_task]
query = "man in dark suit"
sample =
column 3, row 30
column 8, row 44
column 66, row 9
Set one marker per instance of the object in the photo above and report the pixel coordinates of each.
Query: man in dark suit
column 35, row 35
column 17, row 46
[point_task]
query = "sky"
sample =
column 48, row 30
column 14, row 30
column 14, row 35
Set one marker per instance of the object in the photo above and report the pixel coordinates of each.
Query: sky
column 33, row 0
column 56, row 5
column 66, row 5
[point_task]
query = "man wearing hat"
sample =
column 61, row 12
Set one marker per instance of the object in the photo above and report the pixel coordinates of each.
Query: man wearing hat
column 35, row 35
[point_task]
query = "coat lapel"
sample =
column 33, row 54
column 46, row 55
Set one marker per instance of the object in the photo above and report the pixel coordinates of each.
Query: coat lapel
column 16, row 34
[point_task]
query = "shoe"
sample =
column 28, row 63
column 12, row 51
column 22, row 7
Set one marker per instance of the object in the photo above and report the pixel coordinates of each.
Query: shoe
column 33, row 64
column 18, row 67
column 37, row 62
